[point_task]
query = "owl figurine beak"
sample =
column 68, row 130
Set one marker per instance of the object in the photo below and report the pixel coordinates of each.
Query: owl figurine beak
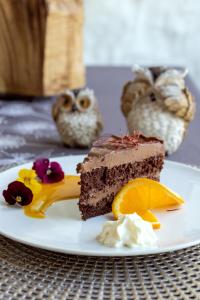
column 74, row 108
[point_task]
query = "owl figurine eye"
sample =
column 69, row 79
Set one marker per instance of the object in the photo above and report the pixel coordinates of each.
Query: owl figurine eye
column 83, row 103
column 67, row 102
column 152, row 96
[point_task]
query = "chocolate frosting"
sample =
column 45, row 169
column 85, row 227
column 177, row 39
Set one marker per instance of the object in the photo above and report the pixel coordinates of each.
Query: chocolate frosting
column 116, row 142
column 110, row 151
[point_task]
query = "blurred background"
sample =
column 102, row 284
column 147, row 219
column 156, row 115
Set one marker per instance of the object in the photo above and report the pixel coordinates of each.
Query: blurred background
column 143, row 31
column 42, row 55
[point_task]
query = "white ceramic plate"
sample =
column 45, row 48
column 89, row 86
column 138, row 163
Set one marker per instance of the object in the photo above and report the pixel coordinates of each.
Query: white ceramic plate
column 63, row 230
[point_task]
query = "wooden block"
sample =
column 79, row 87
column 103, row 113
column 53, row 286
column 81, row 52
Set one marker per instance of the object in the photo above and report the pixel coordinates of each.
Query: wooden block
column 41, row 46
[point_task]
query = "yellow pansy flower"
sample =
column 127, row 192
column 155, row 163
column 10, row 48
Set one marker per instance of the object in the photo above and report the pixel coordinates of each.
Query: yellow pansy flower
column 28, row 177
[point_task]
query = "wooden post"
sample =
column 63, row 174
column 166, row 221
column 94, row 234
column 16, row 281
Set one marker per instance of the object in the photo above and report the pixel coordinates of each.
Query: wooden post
column 41, row 50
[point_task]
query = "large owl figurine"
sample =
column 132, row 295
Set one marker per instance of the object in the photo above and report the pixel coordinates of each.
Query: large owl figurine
column 77, row 117
column 158, row 103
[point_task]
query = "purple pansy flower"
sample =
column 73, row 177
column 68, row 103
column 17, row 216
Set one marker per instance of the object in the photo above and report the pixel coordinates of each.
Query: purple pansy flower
column 18, row 193
column 48, row 172
column 41, row 166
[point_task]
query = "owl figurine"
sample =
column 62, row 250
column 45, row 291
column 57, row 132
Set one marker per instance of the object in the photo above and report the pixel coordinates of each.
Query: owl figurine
column 77, row 116
column 158, row 103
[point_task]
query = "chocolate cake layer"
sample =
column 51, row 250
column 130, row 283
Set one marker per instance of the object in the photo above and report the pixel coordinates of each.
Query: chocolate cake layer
column 110, row 164
column 103, row 207
column 101, row 177
column 99, row 189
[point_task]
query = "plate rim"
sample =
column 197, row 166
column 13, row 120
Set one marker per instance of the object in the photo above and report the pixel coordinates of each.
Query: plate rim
column 104, row 253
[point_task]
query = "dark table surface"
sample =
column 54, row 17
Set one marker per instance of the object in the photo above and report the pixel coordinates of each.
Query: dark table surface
column 27, row 130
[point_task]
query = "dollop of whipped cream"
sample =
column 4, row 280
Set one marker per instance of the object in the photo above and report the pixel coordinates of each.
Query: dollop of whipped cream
column 129, row 230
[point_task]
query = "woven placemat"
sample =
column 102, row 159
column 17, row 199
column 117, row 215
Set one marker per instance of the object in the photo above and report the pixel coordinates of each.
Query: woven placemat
column 31, row 273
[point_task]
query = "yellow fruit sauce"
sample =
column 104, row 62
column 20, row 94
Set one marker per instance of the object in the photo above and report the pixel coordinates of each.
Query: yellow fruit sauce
column 66, row 189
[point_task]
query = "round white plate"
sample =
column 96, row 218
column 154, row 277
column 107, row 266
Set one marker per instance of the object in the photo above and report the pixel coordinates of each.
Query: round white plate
column 63, row 230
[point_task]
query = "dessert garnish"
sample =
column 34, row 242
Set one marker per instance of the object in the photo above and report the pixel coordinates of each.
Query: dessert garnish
column 129, row 230
column 126, row 140
column 36, row 189
column 68, row 188
column 29, row 178
column 48, row 172
column 18, row 193
column 141, row 195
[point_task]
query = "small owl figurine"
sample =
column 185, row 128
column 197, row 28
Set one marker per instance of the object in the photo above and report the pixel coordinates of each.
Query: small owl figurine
column 77, row 116
column 158, row 103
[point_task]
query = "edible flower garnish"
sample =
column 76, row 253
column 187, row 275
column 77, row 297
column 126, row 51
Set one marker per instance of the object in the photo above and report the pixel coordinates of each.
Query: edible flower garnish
column 18, row 193
column 28, row 177
column 29, row 184
column 48, row 172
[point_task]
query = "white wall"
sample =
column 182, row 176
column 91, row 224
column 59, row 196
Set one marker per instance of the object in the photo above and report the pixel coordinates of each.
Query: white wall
column 125, row 32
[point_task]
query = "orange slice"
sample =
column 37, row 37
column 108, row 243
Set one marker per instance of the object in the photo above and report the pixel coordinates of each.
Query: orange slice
column 142, row 194
column 68, row 188
column 147, row 215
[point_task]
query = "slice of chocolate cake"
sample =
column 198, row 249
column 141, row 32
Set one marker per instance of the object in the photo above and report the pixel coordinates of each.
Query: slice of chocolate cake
column 110, row 164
